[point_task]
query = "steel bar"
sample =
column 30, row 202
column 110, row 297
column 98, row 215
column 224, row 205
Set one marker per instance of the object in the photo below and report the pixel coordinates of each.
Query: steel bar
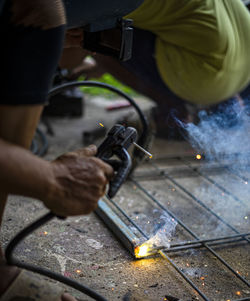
column 184, row 276
column 214, row 183
column 128, row 218
column 117, row 226
column 186, row 243
column 243, row 299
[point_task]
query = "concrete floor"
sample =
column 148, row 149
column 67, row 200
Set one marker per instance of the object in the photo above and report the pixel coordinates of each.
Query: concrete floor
column 84, row 249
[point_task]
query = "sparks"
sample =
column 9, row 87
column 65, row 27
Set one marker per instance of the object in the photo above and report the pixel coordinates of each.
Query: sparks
column 246, row 182
column 198, row 157
column 78, row 271
column 45, row 232
column 238, row 293
column 245, row 217
column 101, row 124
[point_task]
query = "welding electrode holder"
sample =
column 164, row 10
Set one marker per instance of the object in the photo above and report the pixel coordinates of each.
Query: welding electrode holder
column 118, row 140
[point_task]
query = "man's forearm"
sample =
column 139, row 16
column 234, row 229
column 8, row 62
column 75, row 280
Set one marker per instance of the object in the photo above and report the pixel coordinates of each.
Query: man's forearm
column 23, row 173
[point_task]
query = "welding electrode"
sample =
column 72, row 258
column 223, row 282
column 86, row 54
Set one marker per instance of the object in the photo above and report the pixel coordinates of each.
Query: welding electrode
column 143, row 150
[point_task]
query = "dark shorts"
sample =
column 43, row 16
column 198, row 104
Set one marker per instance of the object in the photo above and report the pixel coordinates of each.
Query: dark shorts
column 31, row 44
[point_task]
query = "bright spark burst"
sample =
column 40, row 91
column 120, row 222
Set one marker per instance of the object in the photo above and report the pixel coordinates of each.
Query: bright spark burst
column 78, row 271
column 238, row 293
column 198, row 157
column 101, row 124
column 45, row 232
column 141, row 251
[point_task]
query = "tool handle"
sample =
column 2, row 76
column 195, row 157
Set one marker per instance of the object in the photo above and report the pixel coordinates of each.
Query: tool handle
column 121, row 168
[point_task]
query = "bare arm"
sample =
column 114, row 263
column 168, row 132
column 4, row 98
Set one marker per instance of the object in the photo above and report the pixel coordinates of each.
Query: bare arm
column 70, row 185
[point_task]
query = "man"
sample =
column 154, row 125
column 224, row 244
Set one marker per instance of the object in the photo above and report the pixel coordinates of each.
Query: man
column 32, row 35
column 192, row 52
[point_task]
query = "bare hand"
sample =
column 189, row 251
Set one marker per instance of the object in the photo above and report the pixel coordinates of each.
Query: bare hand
column 80, row 181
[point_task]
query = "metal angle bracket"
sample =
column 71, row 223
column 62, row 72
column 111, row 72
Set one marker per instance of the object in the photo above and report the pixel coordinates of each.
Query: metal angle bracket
column 117, row 226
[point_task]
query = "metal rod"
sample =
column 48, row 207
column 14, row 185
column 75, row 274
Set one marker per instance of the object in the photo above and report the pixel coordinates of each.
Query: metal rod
column 213, row 182
column 183, row 275
column 197, row 243
column 143, row 150
column 117, row 226
column 128, row 218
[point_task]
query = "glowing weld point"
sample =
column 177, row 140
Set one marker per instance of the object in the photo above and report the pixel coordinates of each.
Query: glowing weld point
column 141, row 251
column 101, row 124
column 238, row 293
column 246, row 182
column 78, row 271
column 245, row 217
column 45, row 232
column 198, row 157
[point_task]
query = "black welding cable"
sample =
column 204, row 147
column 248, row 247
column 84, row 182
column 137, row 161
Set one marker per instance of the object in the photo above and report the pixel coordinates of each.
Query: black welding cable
column 44, row 219
column 11, row 260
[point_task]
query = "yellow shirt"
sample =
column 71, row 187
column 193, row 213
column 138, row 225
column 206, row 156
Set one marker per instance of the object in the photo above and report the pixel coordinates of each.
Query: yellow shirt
column 202, row 46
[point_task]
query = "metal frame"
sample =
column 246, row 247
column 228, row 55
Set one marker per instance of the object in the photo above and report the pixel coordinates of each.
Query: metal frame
column 207, row 244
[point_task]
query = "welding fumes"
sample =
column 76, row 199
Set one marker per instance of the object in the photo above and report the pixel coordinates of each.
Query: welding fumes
column 160, row 239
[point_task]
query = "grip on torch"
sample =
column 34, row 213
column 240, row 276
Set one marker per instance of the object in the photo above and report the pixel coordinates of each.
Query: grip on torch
column 118, row 140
